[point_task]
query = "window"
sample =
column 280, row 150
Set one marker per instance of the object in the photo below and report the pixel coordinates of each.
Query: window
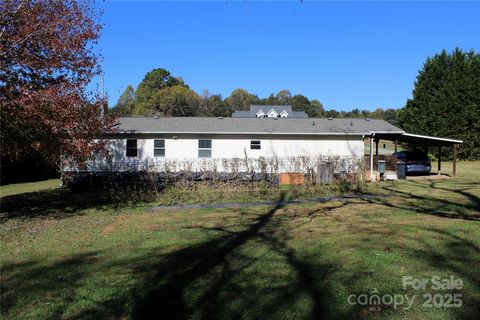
column 159, row 148
column 255, row 145
column 204, row 148
column 131, row 147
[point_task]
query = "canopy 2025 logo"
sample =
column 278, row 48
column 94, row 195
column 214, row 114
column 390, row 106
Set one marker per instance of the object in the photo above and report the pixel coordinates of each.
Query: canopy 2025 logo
column 447, row 294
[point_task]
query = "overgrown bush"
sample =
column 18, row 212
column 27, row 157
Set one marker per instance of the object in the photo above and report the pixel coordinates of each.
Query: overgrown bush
column 245, row 179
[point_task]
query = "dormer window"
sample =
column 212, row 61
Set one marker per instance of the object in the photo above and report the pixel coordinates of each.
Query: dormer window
column 269, row 111
column 260, row 114
column 272, row 114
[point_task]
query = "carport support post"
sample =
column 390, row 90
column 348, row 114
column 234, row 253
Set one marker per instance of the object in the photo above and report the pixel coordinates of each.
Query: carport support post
column 439, row 160
column 371, row 158
column 454, row 170
column 376, row 146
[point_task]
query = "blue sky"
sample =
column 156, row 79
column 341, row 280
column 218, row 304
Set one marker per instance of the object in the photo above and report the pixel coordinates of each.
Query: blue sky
column 346, row 54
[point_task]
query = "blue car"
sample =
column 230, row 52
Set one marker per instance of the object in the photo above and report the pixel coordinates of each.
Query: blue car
column 417, row 162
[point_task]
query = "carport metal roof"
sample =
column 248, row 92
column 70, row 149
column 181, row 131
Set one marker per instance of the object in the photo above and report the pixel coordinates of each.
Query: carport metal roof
column 418, row 139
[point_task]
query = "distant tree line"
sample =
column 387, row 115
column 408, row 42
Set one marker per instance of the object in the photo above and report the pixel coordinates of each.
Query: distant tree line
column 162, row 94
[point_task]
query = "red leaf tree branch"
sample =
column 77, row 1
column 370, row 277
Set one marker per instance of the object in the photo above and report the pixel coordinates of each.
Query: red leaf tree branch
column 47, row 58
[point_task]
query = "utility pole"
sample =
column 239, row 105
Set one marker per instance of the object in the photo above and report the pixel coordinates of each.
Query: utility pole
column 103, row 103
column 103, row 87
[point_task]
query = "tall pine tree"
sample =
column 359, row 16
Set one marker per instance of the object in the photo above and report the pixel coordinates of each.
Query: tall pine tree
column 446, row 100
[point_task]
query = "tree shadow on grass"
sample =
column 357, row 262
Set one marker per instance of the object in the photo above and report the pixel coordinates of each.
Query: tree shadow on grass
column 456, row 256
column 439, row 206
column 474, row 201
column 34, row 280
column 55, row 203
column 248, row 273
column 177, row 290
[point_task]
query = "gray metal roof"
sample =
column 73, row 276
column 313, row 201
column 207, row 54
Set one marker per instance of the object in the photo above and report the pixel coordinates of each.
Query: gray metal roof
column 242, row 114
column 419, row 139
column 254, row 109
column 283, row 126
column 299, row 114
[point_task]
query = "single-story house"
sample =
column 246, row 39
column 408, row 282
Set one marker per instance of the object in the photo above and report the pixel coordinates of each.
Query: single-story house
column 281, row 144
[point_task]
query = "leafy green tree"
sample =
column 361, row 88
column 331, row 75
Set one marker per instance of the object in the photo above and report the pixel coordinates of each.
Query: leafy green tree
column 283, row 97
column 355, row 113
column 317, row 109
column 214, row 106
column 446, row 100
column 300, row 103
column 365, row 113
column 126, row 101
column 177, row 101
column 271, row 100
column 241, row 99
column 313, row 108
column 390, row 116
column 332, row 113
column 378, row 113
column 153, row 82
column 219, row 107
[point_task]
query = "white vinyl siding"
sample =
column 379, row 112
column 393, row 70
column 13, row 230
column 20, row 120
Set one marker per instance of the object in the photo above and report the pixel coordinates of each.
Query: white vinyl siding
column 225, row 147
column 186, row 150
column 282, row 148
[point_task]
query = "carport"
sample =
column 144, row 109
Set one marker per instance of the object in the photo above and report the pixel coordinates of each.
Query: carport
column 418, row 140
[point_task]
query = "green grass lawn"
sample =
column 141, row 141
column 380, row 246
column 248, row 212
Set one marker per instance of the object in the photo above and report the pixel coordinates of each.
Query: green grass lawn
column 64, row 256
column 17, row 188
